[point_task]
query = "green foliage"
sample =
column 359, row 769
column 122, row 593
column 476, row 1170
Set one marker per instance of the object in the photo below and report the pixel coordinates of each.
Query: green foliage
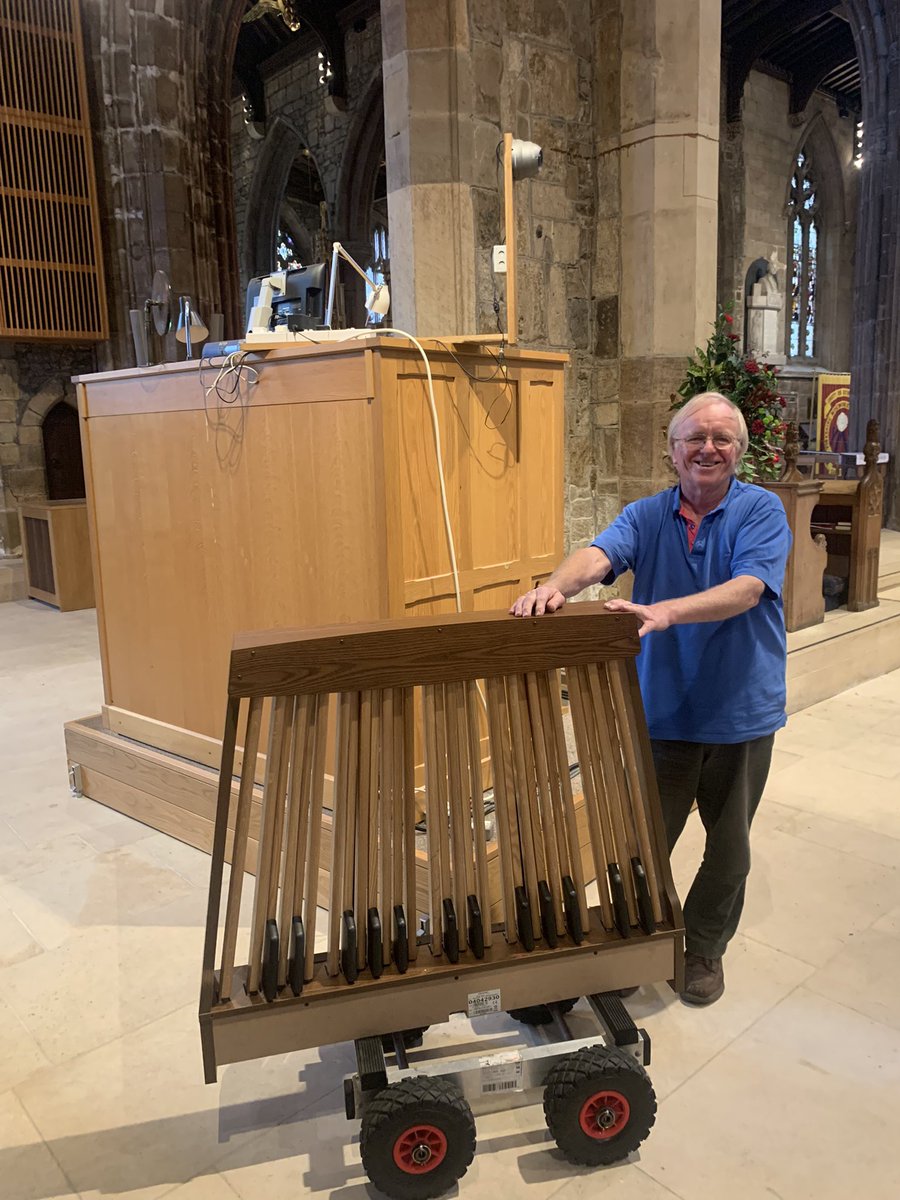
column 751, row 385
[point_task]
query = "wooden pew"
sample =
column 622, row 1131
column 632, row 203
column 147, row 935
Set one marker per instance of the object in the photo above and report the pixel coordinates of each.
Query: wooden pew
column 804, row 603
column 849, row 513
column 394, row 955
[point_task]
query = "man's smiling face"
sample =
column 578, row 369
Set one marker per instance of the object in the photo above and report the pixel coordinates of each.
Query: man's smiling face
column 705, row 451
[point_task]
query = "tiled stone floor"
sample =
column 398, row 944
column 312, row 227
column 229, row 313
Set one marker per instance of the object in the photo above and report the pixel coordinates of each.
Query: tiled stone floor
column 789, row 1087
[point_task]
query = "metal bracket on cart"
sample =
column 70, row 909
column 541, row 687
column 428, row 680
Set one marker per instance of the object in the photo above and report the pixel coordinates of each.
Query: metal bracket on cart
column 507, row 1075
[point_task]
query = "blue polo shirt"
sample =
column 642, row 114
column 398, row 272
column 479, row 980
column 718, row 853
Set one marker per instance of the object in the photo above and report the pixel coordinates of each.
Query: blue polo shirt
column 712, row 681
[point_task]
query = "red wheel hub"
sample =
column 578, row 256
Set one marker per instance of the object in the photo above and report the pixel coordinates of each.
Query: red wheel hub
column 604, row 1114
column 420, row 1149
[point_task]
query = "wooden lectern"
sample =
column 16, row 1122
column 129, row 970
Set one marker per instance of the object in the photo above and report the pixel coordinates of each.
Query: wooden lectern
column 306, row 498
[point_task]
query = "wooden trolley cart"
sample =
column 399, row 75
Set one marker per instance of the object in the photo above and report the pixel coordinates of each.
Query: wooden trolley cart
column 412, row 934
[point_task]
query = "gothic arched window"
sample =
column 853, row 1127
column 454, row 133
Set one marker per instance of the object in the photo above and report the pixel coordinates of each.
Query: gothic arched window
column 286, row 252
column 380, row 268
column 804, row 249
column 299, row 238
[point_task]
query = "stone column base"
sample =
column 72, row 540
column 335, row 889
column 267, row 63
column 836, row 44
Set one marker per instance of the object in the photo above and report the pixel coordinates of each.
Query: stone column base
column 12, row 579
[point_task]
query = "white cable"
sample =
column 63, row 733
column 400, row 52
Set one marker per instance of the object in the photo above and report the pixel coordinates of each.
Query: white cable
column 440, row 458
column 440, row 465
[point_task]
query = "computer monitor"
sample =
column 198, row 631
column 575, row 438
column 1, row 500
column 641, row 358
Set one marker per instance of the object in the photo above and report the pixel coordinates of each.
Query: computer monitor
column 302, row 303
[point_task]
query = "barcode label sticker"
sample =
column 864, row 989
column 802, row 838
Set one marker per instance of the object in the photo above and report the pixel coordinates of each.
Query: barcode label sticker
column 501, row 1072
column 481, row 1003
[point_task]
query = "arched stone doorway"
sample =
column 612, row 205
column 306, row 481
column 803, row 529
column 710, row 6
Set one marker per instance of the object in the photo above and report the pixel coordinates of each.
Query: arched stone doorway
column 63, row 461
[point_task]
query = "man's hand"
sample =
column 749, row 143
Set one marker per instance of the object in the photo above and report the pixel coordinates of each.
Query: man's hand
column 538, row 601
column 653, row 617
column 718, row 603
column 583, row 567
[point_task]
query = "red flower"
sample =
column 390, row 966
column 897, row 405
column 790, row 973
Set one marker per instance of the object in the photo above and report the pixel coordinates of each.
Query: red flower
column 751, row 367
column 757, row 427
column 776, row 458
column 729, row 319
column 734, row 337
column 782, row 401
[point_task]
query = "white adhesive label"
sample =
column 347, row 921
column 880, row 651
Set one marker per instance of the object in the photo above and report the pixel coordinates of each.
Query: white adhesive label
column 481, row 1003
column 501, row 1072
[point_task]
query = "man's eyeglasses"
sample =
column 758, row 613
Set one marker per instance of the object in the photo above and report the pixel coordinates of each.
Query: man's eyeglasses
column 721, row 441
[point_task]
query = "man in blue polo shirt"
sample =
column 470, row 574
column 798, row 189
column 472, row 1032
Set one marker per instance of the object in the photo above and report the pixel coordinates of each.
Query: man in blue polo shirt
column 708, row 557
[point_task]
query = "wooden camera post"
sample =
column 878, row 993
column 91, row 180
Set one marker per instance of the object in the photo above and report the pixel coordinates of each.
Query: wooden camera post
column 509, row 218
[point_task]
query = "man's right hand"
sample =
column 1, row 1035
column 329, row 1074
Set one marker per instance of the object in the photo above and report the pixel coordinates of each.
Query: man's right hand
column 538, row 601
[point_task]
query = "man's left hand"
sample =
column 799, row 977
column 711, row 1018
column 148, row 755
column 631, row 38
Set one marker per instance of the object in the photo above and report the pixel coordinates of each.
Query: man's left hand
column 653, row 617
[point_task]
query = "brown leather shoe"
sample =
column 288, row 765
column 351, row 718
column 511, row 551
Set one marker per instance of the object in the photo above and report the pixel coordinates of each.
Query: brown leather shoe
column 704, row 979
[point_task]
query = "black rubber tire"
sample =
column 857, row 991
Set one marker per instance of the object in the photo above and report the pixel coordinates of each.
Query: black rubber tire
column 540, row 1014
column 400, row 1108
column 569, row 1087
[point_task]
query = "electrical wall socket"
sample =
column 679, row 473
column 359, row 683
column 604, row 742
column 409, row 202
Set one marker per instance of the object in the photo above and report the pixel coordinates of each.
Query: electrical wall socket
column 499, row 260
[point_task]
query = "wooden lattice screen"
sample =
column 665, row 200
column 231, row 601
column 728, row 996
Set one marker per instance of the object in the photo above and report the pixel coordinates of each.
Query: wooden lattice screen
column 51, row 275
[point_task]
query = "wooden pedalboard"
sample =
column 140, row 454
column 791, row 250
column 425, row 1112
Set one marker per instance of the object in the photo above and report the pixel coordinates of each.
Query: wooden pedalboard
column 343, row 711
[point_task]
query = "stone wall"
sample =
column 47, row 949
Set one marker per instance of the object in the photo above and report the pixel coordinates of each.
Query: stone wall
column 656, row 142
column 148, row 80
column 533, row 74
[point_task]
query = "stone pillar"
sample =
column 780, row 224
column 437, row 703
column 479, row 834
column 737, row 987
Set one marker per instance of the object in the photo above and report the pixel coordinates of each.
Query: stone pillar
column 875, row 355
column 428, row 118
column 664, row 157
column 149, row 92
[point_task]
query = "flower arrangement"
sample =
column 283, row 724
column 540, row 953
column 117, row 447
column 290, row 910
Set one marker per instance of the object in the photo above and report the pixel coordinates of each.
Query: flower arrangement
column 751, row 385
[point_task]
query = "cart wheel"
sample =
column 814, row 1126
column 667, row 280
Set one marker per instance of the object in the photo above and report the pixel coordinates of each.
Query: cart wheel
column 540, row 1014
column 599, row 1105
column 417, row 1138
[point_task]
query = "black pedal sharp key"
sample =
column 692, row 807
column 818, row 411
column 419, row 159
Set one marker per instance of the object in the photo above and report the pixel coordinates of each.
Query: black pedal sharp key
column 620, row 905
column 476, row 926
column 548, row 920
column 644, row 903
column 572, row 910
column 374, row 945
column 451, row 932
column 270, row 961
column 297, row 956
column 349, row 964
column 401, row 944
column 523, row 919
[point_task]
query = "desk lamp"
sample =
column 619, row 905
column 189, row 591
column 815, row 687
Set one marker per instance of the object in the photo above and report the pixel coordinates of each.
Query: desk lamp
column 378, row 298
column 191, row 327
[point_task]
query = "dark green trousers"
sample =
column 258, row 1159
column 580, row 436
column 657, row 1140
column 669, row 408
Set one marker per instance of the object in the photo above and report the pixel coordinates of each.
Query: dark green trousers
column 727, row 782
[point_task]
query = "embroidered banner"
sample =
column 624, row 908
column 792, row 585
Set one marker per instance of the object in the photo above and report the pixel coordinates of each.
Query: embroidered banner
column 833, row 425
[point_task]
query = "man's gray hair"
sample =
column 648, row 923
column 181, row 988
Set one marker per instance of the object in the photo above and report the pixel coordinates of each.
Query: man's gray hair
column 695, row 404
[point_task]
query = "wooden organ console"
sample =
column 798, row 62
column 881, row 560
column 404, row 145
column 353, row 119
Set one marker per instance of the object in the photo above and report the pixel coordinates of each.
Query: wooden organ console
column 407, row 940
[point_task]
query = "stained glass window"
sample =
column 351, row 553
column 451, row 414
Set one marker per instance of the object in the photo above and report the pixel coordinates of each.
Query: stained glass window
column 286, row 254
column 803, row 208
column 377, row 272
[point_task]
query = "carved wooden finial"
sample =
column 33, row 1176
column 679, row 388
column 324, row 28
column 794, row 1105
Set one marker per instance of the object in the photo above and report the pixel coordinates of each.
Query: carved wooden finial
column 872, row 446
column 790, row 473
